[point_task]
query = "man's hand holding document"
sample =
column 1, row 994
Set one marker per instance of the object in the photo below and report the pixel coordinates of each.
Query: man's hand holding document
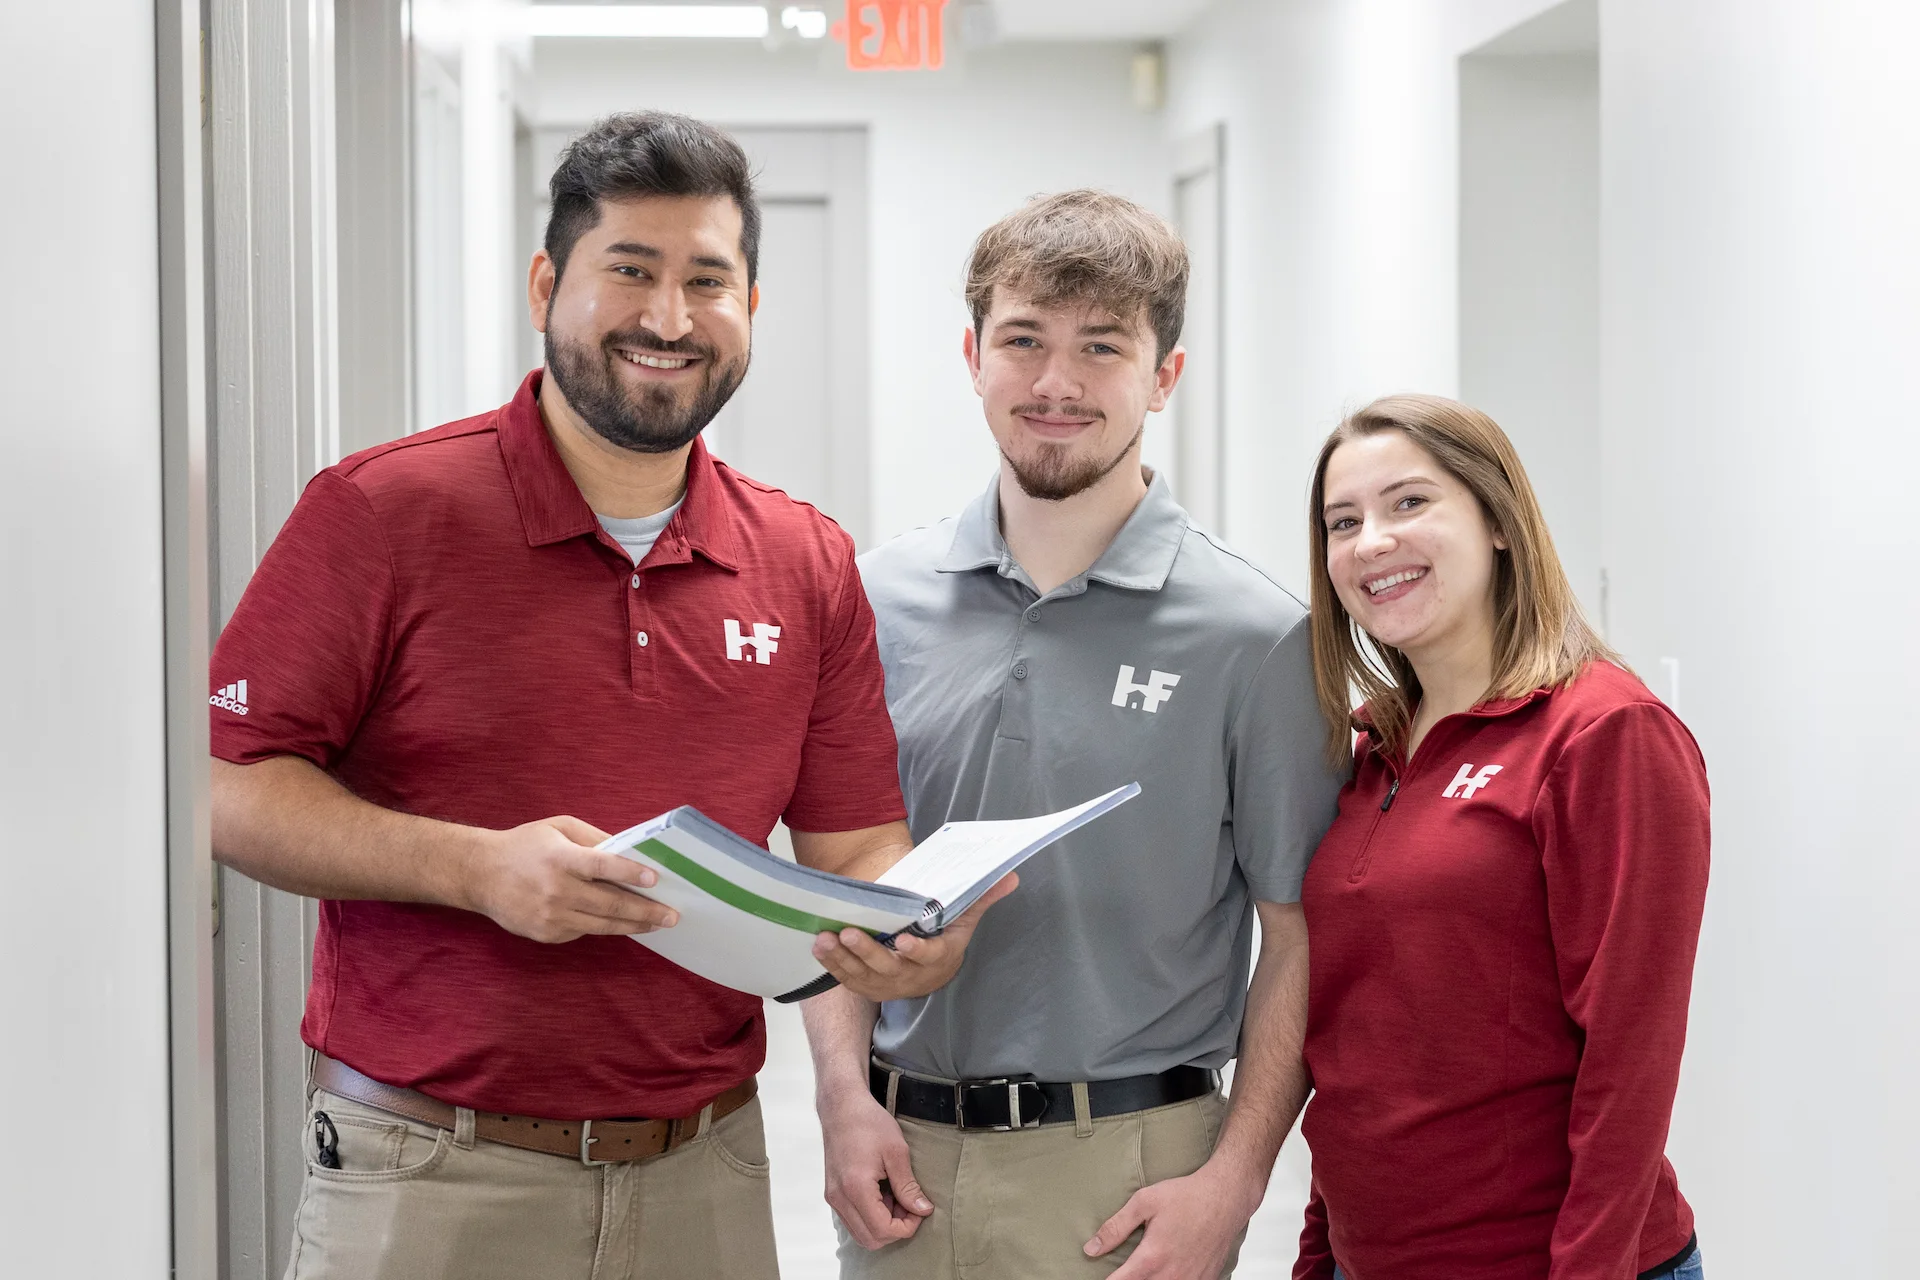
column 753, row 921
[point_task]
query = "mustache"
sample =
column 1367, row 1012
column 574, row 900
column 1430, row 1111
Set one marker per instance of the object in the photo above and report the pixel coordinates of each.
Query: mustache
column 649, row 341
column 1084, row 412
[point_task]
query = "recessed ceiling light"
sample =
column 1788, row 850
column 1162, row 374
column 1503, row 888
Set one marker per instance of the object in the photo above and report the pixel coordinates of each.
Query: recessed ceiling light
column 810, row 24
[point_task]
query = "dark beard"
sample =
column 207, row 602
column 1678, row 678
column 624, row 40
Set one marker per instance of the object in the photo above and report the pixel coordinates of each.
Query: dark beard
column 1051, row 477
column 655, row 421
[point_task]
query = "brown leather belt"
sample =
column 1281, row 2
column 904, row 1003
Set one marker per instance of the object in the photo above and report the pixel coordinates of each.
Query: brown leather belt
column 588, row 1141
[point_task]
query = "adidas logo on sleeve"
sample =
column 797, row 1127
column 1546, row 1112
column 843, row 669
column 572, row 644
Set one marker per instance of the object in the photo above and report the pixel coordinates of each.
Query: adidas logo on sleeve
column 232, row 698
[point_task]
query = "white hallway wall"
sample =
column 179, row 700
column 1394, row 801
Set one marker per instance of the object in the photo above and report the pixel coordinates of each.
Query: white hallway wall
column 83, row 959
column 950, row 153
column 1760, row 285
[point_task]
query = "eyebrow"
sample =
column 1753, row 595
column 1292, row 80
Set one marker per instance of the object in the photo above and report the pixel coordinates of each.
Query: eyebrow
column 1397, row 484
column 634, row 249
column 1085, row 330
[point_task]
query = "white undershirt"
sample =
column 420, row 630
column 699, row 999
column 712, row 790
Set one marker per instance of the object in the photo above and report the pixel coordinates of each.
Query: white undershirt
column 637, row 537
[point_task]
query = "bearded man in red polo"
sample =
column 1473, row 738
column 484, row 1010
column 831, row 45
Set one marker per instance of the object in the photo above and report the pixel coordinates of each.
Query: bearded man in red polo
column 471, row 653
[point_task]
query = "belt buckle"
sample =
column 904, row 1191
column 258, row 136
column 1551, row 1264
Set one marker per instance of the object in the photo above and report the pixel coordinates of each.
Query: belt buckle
column 1015, row 1119
column 586, row 1143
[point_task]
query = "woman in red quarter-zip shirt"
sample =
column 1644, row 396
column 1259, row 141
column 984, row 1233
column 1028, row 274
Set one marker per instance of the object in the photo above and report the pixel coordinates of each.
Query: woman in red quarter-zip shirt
column 1502, row 919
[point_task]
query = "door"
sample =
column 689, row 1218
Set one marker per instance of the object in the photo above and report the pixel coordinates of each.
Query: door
column 1197, row 454
column 799, row 421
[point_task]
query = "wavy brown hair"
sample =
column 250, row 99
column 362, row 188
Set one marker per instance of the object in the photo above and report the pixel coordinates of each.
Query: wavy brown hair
column 1541, row 639
column 1085, row 246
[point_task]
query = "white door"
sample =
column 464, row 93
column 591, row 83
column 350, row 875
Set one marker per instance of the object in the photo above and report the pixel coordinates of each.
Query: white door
column 776, row 427
column 1196, row 460
column 799, row 421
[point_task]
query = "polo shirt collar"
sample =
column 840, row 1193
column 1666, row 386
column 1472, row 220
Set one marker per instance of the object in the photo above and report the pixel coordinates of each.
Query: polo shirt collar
column 1139, row 558
column 553, row 510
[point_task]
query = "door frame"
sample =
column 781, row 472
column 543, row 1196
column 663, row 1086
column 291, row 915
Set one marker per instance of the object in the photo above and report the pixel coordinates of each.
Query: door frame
column 1195, row 156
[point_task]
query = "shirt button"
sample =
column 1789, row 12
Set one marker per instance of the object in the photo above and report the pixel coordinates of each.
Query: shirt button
column 642, row 637
column 636, row 580
column 1033, row 614
column 1019, row 671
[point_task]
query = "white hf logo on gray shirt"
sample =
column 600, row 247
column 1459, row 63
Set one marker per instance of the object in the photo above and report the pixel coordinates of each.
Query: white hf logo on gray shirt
column 1157, row 689
column 764, row 641
column 1466, row 782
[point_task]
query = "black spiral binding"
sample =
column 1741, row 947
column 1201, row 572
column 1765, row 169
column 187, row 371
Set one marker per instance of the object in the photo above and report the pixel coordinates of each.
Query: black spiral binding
column 931, row 923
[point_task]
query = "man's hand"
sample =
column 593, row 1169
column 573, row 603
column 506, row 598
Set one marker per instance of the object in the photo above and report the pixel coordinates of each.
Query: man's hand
column 546, row 881
column 1191, row 1225
column 870, row 1181
column 914, row 965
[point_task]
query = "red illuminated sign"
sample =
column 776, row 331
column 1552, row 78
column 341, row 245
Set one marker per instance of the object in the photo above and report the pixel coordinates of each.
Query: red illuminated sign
column 892, row 35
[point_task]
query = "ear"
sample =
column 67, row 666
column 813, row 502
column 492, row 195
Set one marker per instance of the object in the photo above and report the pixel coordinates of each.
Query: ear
column 1499, row 538
column 970, row 348
column 753, row 300
column 541, row 282
column 1166, row 378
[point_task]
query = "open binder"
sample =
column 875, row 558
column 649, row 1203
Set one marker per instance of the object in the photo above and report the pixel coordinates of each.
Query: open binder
column 748, row 918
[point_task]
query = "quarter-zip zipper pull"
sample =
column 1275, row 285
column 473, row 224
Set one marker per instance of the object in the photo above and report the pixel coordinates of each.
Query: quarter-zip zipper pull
column 1392, row 791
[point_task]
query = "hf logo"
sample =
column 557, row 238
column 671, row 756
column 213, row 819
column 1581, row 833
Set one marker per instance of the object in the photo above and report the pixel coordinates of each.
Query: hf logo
column 1157, row 689
column 764, row 641
column 1466, row 782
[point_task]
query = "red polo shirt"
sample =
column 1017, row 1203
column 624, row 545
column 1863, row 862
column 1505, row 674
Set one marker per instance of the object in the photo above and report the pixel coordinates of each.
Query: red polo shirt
column 1502, row 938
column 444, row 627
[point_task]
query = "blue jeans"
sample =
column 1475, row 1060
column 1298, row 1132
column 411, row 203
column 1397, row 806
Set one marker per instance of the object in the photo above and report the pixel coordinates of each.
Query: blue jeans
column 1691, row 1269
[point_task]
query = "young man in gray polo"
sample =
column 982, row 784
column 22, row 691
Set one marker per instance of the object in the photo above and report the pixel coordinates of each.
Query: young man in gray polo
column 1055, row 1110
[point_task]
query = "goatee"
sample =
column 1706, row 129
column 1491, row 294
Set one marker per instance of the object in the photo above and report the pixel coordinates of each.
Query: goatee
column 1052, row 474
column 648, row 420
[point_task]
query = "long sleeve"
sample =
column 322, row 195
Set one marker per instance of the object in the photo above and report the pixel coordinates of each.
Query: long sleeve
column 1622, row 824
column 1316, row 1253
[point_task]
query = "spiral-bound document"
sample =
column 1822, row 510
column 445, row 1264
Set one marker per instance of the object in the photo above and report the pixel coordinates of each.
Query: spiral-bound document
column 748, row 918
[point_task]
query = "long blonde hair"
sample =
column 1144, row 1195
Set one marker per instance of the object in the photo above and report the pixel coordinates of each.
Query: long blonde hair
column 1541, row 638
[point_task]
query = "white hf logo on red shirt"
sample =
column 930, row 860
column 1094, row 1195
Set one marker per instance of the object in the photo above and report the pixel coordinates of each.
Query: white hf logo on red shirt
column 1157, row 689
column 764, row 641
column 1466, row 782
column 232, row 698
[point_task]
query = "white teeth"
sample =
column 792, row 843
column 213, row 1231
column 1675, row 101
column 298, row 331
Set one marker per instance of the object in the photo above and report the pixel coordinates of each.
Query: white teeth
column 1382, row 584
column 654, row 362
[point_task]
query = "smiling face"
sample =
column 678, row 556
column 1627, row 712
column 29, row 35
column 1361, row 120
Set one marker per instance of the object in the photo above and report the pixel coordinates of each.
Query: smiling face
column 1066, row 389
column 1410, row 552
column 649, row 331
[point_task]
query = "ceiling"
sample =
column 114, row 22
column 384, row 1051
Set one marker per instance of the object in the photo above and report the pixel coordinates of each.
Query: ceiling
column 1093, row 19
column 1137, row 20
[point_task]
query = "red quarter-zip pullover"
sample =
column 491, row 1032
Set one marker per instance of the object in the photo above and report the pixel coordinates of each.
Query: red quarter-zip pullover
column 1502, row 936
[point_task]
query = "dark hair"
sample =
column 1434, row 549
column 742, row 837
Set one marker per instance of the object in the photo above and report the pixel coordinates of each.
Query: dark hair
column 1089, row 247
column 648, row 153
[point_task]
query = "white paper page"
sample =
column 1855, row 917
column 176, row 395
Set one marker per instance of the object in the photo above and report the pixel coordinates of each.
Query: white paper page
column 953, row 859
column 734, row 947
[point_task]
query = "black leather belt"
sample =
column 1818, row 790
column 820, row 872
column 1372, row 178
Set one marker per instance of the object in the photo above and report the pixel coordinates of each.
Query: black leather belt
column 1021, row 1102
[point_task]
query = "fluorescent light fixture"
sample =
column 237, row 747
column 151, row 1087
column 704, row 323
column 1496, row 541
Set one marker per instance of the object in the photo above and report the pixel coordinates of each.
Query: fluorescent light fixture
column 811, row 24
column 695, row 21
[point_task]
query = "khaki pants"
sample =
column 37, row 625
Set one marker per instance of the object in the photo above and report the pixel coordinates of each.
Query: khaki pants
column 410, row 1202
column 1020, row 1205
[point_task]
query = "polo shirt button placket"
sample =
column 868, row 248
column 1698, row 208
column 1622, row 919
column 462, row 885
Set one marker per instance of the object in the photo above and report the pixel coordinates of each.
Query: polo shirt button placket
column 640, row 661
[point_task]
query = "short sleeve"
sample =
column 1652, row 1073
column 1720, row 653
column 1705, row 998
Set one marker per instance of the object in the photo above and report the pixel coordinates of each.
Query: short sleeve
column 302, row 657
column 1284, row 793
column 849, row 767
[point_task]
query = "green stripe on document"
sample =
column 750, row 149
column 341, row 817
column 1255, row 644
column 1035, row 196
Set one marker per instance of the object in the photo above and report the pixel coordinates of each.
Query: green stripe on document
column 734, row 896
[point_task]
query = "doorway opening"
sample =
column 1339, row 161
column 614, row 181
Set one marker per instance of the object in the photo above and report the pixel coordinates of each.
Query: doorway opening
column 1530, row 264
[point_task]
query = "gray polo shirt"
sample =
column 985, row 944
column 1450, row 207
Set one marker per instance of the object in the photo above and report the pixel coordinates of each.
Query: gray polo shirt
column 1173, row 662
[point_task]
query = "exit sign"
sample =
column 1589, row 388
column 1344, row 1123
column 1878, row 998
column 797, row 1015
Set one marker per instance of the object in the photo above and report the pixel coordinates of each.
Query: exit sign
column 892, row 35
